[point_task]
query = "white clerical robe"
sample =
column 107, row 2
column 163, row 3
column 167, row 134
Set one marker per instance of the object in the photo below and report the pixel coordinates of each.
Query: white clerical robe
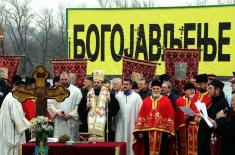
column 12, row 126
column 69, row 106
column 126, row 118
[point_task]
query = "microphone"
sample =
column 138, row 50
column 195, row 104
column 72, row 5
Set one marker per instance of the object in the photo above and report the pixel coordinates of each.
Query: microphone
column 227, row 109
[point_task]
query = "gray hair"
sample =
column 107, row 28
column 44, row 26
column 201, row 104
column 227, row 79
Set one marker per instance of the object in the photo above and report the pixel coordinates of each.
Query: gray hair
column 117, row 79
column 169, row 85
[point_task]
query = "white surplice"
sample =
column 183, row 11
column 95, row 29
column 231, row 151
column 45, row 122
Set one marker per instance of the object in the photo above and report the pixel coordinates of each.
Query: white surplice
column 12, row 126
column 69, row 106
column 126, row 118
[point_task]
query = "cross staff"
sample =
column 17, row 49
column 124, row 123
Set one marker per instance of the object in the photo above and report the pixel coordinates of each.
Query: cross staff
column 41, row 93
column 181, row 30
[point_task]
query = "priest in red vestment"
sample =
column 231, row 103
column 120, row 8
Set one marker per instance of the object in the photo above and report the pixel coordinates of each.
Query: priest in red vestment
column 154, row 131
column 186, row 121
column 29, row 106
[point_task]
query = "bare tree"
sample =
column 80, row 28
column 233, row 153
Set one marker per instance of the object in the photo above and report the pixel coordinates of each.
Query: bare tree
column 18, row 19
column 45, row 24
column 149, row 3
column 60, row 34
column 2, row 9
column 198, row 3
column 221, row 2
column 120, row 3
column 125, row 3
column 105, row 3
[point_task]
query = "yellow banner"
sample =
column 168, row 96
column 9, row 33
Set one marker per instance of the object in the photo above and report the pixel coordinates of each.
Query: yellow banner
column 105, row 35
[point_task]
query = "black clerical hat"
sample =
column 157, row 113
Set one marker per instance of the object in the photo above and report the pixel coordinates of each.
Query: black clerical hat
column 19, row 82
column 217, row 83
column 29, row 80
column 189, row 86
column 201, row 78
column 164, row 77
column 156, row 83
column 16, row 78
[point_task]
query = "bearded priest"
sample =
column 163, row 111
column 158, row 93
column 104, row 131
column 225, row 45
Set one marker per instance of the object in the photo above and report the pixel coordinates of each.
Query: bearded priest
column 154, row 131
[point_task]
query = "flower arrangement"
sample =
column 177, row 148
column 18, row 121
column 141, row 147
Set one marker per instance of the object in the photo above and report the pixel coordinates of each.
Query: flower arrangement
column 41, row 129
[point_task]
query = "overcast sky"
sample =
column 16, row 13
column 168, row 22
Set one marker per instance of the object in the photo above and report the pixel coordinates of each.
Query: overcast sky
column 38, row 4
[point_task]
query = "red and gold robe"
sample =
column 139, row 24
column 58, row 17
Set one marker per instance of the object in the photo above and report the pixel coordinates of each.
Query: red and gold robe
column 155, row 117
column 186, row 135
column 203, row 97
column 192, row 128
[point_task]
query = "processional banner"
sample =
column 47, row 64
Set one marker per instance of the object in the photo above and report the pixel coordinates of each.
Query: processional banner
column 181, row 64
column 76, row 69
column 9, row 67
column 138, row 69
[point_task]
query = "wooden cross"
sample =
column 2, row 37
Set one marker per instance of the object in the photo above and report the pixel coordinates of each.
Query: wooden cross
column 41, row 93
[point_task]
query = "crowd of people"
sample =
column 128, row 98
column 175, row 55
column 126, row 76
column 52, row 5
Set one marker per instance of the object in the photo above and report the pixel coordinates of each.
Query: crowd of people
column 145, row 114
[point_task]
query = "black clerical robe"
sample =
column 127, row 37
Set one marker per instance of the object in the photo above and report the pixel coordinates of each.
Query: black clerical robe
column 204, row 132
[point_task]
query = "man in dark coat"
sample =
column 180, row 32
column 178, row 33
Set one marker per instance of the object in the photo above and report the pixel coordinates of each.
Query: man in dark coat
column 219, row 103
column 5, row 88
column 144, row 89
column 82, row 108
column 225, row 123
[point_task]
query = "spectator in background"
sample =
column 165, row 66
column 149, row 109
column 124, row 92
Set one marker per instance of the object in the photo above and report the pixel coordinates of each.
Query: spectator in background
column 225, row 124
column 135, row 87
column 193, row 81
column 116, row 86
column 228, row 96
column 56, row 81
column 82, row 108
column 210, row 78
column 167, row 91
column 233, row 82
column 107, row 84
column 4, row 90
column 144, row 89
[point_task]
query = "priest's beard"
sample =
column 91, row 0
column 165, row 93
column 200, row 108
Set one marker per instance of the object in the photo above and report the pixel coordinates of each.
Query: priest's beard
column 156, row 95
column 97, row 91
column 191, row 96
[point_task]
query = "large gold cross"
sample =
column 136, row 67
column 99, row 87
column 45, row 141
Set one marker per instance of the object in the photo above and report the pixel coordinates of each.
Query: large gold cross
column 41, row 93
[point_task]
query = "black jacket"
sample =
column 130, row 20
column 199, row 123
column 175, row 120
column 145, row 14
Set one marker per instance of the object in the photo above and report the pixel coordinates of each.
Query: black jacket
column 204, row 131
column 226, row 128
column 4, row 90
column 144, row 94
column 83, row 111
